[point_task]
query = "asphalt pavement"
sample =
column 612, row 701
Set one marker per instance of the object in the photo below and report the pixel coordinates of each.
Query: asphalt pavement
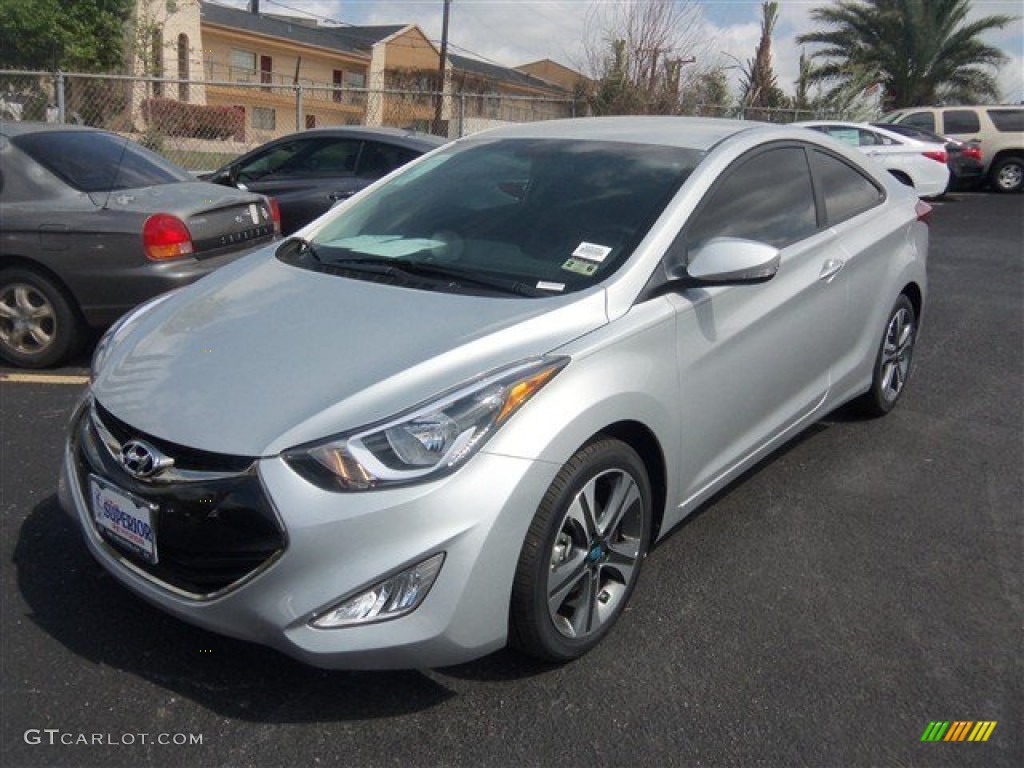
column 823, row 610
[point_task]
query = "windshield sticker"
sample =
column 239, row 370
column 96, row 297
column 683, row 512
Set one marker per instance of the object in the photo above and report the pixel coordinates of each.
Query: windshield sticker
column 592, row 252
column 580, row 267
column 388, row 246
column 543, row 285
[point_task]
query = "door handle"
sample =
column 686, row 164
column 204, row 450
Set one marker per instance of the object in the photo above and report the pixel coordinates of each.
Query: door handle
column 830, row 269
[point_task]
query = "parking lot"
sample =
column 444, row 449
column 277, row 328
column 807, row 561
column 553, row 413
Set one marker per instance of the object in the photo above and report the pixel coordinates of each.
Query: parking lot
column 823, row 610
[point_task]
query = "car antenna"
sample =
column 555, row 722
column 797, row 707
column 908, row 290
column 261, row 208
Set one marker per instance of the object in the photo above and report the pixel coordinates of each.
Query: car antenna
column 117, row 172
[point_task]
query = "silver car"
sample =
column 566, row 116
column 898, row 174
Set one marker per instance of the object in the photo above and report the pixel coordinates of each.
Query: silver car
column 455, row 413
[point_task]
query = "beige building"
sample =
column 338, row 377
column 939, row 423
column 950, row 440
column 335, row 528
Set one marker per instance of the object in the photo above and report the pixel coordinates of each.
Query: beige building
column 372, row 75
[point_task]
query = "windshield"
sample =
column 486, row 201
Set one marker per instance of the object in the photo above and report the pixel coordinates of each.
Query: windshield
column 93, row 161
column 542, row 216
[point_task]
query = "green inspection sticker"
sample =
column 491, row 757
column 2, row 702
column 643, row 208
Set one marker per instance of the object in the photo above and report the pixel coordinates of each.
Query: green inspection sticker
column 580, row 267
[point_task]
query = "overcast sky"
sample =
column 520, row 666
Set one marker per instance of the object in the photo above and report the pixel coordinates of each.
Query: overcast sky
column 513, row 32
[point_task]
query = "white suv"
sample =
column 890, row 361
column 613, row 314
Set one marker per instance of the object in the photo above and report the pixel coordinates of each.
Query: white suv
column 999, row 129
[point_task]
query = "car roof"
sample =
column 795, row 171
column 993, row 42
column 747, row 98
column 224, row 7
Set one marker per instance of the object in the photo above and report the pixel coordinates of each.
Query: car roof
column 370, row 132
column 686, row 132
column 21, row 128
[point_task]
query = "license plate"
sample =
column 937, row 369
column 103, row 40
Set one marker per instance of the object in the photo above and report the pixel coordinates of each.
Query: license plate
column 128, row 519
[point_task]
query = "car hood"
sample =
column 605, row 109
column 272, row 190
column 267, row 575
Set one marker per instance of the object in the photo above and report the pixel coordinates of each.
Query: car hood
column 261, row 356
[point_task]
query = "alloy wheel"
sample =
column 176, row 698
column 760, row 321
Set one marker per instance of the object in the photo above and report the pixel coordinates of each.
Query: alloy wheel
column 596, row 553
column 897, row 350
column 28, row 321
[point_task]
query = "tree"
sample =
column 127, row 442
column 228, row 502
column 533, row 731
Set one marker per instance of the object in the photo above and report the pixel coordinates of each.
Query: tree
column 73, row 35
column 637, row 53
column 918, row 52
column 759, row 87
column 708, row 94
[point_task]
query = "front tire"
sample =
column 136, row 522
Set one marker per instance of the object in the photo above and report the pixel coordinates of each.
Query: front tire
column 582, row 554
column 39, row 325
column 1007, row 174
column 893, row 361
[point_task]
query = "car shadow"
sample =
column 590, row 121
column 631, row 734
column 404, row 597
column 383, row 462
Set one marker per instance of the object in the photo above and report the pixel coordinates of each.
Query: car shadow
column 72, row 599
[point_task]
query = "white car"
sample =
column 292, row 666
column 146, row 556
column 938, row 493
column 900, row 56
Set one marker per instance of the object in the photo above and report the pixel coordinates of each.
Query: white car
column 918, row 164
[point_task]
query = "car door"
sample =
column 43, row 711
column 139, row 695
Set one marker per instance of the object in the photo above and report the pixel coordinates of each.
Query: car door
column 306, row 176
column 755, row 360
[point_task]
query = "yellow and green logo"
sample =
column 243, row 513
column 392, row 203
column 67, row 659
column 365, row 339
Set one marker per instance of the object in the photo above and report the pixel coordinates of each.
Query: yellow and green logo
column 958, row 730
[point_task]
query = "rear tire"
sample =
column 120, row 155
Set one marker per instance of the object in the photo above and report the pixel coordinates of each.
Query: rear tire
column 39, row 325
column 1007, row 174
column 893, row 362
column 581, row 557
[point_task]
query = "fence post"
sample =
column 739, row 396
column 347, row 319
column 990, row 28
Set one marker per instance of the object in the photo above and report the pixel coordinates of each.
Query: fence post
column 300, row 120
column 58, row 80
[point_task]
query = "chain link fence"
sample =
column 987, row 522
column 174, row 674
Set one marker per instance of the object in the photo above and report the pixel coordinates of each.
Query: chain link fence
column 202, row 124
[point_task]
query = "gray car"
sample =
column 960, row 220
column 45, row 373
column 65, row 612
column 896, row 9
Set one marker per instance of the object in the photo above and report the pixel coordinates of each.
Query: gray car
column 457, row 414
column 92, row 224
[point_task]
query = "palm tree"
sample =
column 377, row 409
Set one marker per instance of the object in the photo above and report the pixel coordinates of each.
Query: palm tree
column 918, row 51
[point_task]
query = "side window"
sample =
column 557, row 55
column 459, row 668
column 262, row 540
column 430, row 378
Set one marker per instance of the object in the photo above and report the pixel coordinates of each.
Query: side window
column 960, row 121
column 920, row 120
column 269, row 161
column 381, row 159
column 333, row 157
column 844, row 134
column 767, row 198
column 1007, row 119
column 846, row 190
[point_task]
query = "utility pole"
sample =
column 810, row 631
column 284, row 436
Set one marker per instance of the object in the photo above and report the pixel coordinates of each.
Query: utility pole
column 438, row 107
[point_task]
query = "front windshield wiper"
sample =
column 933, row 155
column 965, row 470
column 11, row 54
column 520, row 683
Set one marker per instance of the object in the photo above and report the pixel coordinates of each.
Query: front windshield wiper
column 439, row 272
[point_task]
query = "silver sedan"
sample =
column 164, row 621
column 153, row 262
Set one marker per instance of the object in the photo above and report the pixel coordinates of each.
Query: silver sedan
column 455, row 413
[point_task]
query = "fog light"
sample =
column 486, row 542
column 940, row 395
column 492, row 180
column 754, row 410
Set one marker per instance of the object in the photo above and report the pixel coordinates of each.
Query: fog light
column 391, row 598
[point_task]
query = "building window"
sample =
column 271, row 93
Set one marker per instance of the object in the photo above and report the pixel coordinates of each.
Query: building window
column 264, row 119
column 266, row 70
column 337, row 80
column 344, row 81
column 243, row 66
column 310, row 121
column 183, row 67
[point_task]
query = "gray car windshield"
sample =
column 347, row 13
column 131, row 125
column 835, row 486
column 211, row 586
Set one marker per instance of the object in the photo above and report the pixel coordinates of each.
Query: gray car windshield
column 519, row 216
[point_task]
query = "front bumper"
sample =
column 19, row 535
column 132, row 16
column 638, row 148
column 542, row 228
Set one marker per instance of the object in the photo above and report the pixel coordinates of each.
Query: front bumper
column 338, row 544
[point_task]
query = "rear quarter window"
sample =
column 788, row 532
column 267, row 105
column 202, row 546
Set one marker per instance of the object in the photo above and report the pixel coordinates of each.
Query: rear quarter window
column 960, row 121
column 846, row 190
column 1006, row 120
column 920, row 120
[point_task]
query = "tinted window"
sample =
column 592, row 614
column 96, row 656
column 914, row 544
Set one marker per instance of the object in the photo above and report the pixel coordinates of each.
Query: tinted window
column 767, row 198
column 960, row 121
column 1007, row 119
column 381, row 159
column 920, row 120
column 303, row 158
column 98, row 162
column 846, row 190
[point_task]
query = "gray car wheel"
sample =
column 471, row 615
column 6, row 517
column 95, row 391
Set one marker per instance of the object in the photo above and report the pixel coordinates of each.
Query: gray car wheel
column 894, row 360
column 1008, row 174
column 582, row 555
column 38, row 325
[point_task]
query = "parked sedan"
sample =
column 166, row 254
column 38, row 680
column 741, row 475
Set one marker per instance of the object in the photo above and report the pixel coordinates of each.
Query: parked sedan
column 459, row 410
column 964, row 158
column 309, row 172
column 92, row 224
column 918, row 164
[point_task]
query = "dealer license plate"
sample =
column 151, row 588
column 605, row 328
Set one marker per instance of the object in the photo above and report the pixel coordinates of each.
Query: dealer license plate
column 129, row 520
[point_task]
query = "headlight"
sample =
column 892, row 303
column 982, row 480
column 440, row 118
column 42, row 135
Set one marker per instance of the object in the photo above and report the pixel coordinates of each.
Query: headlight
column 106, row 342
column 431, row 440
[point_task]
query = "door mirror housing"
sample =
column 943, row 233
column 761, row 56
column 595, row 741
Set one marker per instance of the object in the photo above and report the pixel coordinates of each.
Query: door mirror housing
column 729, row 261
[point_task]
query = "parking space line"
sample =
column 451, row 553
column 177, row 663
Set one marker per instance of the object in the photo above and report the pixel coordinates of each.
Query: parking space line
column 43, row 378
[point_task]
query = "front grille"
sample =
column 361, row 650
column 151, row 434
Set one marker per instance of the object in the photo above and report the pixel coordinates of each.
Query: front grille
column 211, row 533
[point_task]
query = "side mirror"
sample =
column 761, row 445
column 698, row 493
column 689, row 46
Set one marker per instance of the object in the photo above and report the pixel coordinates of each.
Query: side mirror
column 731, row 261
